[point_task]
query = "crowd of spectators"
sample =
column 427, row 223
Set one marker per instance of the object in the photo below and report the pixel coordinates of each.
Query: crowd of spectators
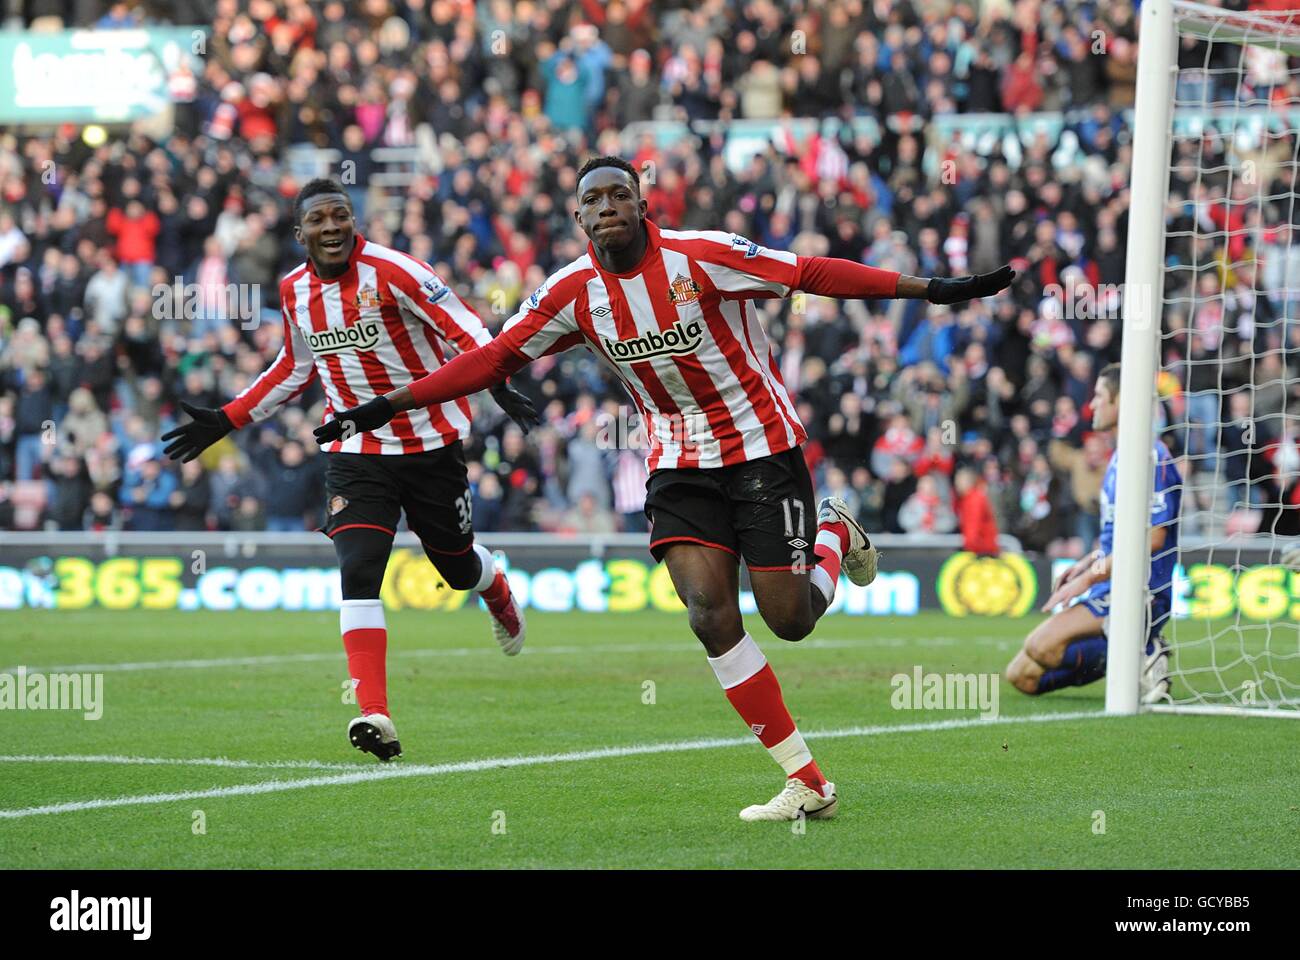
column 502, row 102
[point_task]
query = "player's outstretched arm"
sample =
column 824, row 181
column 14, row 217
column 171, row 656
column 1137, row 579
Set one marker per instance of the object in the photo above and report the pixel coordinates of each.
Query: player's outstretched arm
column 833, row 277
column 468, row 373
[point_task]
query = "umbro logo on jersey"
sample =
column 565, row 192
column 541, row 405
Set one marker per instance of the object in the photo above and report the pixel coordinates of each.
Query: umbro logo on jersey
column 680, row 338
column 358, row 336
column 601, row 311
column 683, row 290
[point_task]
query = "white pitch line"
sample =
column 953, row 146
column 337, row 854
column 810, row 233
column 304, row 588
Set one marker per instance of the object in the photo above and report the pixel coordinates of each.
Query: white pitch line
column 271, row 659
column 180, row 761
column 471, row 766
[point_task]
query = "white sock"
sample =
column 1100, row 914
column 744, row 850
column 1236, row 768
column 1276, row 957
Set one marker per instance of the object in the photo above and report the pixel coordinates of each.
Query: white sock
column 361, row 615
column 489, row 568
column 739, row 663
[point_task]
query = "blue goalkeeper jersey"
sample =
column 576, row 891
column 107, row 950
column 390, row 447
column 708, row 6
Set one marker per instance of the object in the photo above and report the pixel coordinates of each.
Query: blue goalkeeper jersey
column 1166, row 501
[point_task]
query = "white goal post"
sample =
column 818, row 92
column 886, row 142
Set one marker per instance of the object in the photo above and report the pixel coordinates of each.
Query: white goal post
column 1209, row 357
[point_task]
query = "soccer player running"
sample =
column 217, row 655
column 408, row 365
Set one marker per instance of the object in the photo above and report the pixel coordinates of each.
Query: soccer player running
column 671, row 313
column 1069, row 648
column 365, row 317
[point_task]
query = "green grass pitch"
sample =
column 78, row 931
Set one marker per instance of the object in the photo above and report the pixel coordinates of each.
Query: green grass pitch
column 1170, row 791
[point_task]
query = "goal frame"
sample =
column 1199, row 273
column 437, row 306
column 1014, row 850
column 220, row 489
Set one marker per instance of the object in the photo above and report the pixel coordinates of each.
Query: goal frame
column 1157, row 73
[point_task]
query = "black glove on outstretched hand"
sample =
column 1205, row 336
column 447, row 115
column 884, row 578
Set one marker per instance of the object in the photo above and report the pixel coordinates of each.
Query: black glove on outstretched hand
column 516, row 406
column 960, row 289
column 191, row 439
column 371, row 415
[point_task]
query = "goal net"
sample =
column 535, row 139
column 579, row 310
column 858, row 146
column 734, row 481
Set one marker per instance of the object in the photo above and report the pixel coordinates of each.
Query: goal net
column 1214, row 324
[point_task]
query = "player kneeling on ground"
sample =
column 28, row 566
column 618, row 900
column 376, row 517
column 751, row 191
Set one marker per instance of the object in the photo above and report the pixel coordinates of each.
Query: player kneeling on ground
column 1068, row 649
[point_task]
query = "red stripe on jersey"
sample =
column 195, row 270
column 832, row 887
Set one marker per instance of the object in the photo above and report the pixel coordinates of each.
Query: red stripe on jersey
column 454, row 331
column 400, row 334
column 696, row 378
column 376, row 374
column 316, row 307
column 436, row 413
column 757, row 390
column 644, row 371
column 587, row 331
column 799, row 435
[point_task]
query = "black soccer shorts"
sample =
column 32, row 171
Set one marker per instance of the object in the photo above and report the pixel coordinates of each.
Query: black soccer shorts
column 372, row 490
column 761, row 511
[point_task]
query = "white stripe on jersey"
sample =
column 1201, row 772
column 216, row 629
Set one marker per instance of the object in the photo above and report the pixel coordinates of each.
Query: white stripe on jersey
column 687, row 423
column 602, row 320
column 717, row 366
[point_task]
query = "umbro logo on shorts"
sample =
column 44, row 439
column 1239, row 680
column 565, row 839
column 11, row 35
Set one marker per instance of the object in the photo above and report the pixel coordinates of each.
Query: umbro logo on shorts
column 680, row 338
column 357, row 336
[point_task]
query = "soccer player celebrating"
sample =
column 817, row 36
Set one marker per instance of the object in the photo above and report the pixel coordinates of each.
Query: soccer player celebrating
column 672, row 315
column 1069, row 648
column 365, row 318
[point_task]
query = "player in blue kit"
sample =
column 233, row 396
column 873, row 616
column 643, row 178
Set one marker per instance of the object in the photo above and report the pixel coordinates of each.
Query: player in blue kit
column 1068, row 649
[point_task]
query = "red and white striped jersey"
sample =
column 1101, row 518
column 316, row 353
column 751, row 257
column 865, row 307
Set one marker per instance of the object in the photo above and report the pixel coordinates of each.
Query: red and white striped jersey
column 681, row 331
column 383, row 323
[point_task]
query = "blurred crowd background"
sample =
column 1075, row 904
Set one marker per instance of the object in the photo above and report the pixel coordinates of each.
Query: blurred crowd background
column 918, row 414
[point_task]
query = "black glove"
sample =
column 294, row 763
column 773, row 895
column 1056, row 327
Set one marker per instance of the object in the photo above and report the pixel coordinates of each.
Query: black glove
column 191, row 439
column 961, row 289
column 516, row 406
column 371, row 415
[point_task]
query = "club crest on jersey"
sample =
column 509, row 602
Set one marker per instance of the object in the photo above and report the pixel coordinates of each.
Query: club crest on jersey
column 357, row 336
column 683, row 290
column 680, row 338
column 369, row 298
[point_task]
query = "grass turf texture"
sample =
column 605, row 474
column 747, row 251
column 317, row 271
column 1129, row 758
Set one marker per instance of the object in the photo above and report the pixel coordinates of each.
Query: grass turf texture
column 1177, row 792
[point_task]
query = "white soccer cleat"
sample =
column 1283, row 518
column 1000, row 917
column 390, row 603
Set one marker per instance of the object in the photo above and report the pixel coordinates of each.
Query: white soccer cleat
column 1154, row 682
column 795, row 798
column 861, row 560
column 375, row 733
column 508, row 625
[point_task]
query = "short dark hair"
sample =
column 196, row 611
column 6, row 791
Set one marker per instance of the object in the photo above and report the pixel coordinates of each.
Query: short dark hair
column 595, row 163
column 1110, row 376
column 316, row 188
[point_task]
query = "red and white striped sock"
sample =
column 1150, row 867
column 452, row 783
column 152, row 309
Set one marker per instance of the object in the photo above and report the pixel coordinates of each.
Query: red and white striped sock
column 365, row 638
column 831, row 545
column 753, row 690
